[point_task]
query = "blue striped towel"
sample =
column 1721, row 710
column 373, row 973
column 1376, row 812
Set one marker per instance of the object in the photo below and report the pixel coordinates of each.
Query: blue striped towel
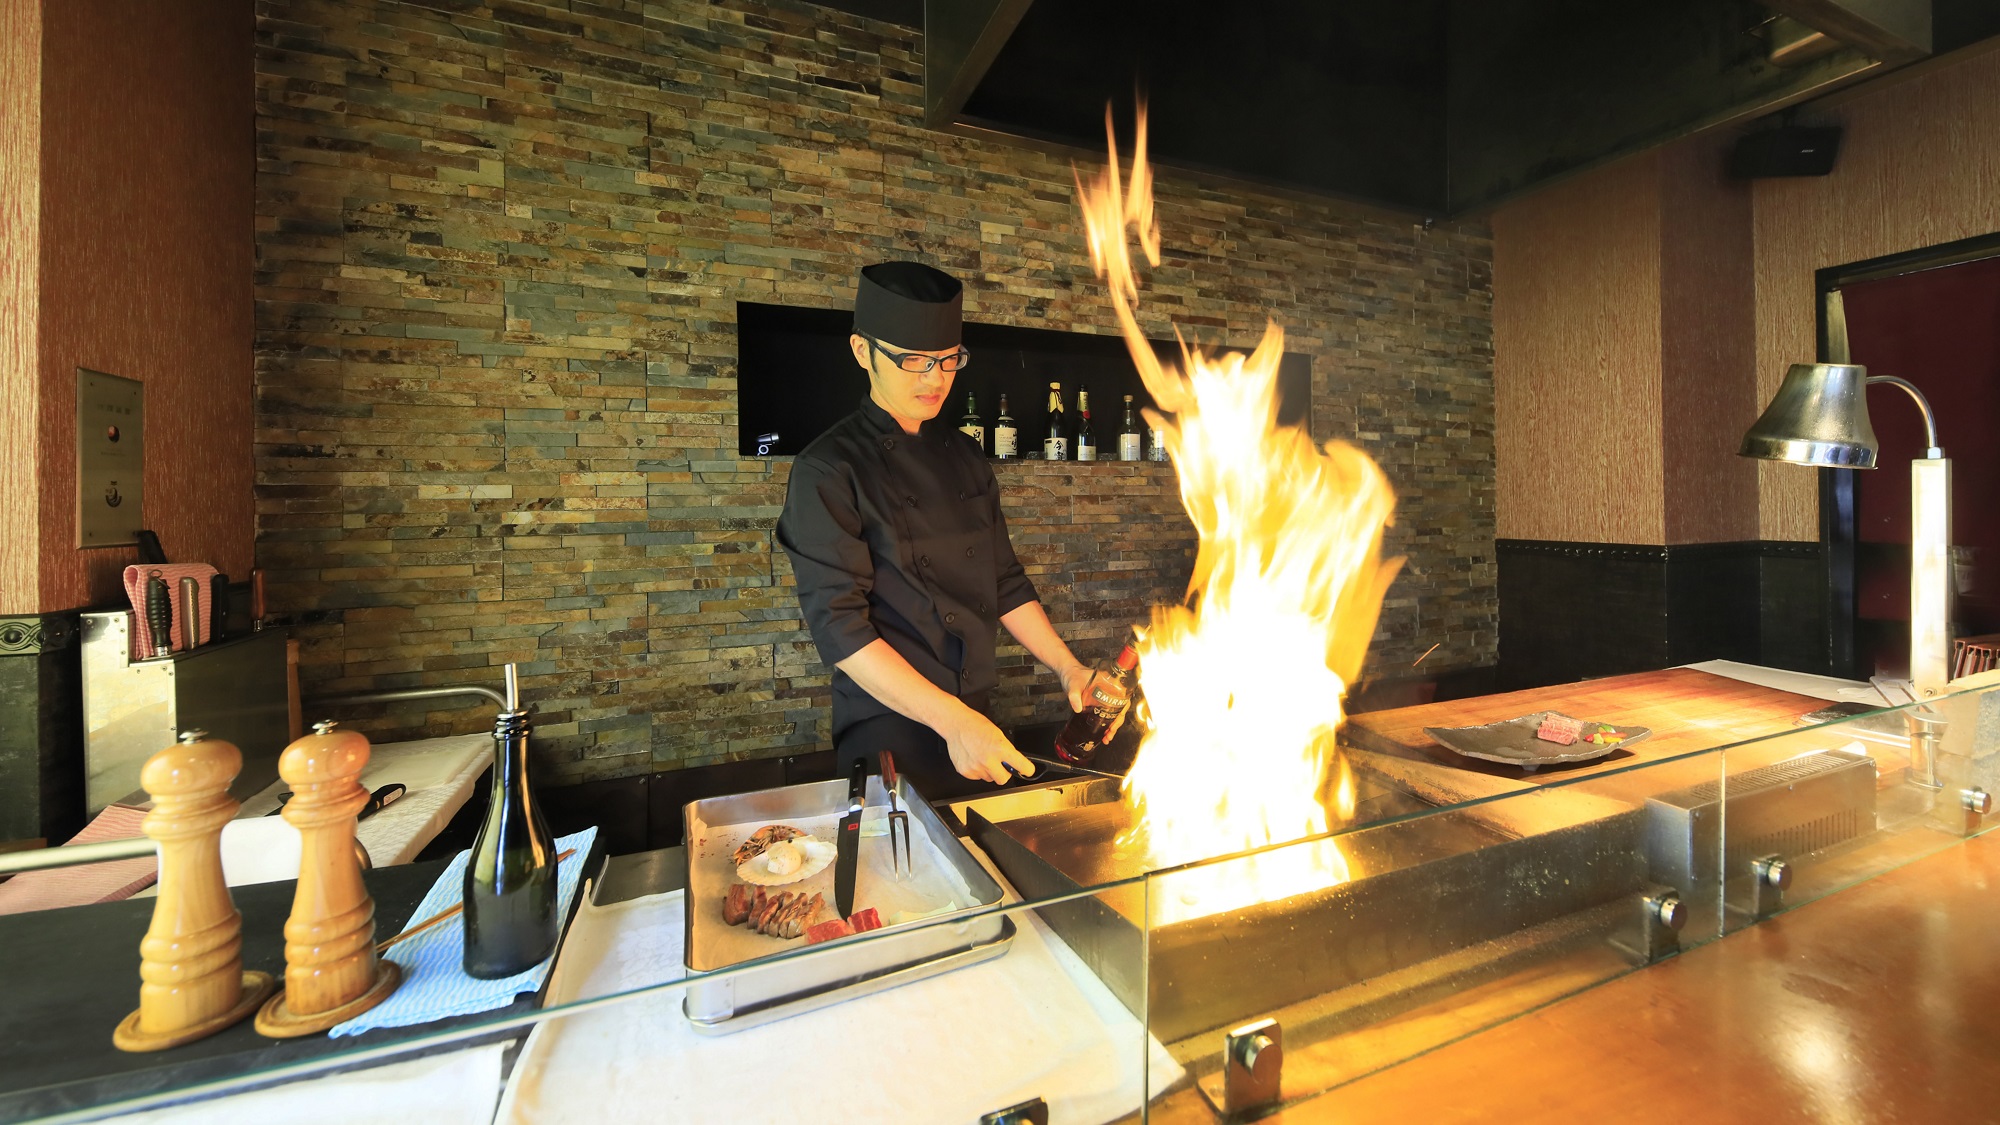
column 434, row 981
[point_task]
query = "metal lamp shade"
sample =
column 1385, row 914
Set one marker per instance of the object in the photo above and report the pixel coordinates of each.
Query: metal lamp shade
column 1818, row 417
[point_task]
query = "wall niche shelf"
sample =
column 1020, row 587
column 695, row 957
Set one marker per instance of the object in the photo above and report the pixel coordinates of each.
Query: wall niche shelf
column 795, row 377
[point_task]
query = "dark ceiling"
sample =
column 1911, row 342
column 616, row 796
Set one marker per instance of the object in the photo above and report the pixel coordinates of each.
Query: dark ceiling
column 1320, row 95
column 1434, row 107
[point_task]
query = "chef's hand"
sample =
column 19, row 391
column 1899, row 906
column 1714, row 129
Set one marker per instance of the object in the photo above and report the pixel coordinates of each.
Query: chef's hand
column 979, row 751
column 1084, row 683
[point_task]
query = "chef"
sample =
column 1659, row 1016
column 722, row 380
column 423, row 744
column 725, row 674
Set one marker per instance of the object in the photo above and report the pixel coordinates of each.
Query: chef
column 893, row 525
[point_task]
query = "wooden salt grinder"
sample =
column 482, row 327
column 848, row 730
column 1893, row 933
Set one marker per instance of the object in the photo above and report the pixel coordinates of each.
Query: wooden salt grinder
column 191, row 959
column 331, row 971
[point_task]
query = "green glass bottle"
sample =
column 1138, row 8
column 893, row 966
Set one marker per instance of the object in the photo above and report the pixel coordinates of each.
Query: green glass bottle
column 510, row 878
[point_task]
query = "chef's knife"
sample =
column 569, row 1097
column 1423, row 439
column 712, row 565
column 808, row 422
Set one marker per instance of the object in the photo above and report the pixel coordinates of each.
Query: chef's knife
column 847, row 844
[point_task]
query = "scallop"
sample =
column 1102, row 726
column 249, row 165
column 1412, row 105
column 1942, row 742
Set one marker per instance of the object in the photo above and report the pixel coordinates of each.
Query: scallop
column 782, row 858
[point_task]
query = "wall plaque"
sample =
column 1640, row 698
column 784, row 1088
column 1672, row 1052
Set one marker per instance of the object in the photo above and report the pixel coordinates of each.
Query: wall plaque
column 110, row 417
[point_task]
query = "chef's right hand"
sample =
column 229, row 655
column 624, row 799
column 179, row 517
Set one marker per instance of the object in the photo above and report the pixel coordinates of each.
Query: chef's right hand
column 979, row 751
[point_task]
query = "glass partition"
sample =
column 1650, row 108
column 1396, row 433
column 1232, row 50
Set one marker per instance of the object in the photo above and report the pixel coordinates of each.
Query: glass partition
column 1108, row 984
column 888, row 1020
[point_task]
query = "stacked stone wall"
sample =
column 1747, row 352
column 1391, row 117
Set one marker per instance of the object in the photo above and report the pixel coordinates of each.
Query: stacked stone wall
column 499, row 250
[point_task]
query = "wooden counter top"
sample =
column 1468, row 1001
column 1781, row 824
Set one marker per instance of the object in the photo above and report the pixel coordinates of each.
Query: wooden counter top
column 1878, row 1004
column 1685, row 709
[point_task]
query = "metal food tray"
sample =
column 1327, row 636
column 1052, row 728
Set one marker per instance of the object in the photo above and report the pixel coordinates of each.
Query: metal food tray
column 943, row 871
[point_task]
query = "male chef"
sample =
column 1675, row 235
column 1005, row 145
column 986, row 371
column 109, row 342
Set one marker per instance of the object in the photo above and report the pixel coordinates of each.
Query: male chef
column 894, row 529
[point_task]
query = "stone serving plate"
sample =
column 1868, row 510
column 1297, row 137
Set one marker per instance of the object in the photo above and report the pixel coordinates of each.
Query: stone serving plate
column 1514, row 743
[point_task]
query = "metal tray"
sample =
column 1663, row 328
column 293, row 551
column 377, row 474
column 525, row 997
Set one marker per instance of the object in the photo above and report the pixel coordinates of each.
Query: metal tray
column 790, row 985
column 1514, row 743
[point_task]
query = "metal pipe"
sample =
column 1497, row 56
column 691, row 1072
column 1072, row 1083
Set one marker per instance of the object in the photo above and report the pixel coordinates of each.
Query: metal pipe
column 320, row 702
column 71, row 855
column 106, row 851
column 1932, row 450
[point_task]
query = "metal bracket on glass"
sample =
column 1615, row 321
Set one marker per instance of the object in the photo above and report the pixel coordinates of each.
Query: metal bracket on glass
column 1977, row 803
column 1770, row 878
column 1034, row 1111
column 1926, row 736
column 1662, row 914
column 1253, row 1059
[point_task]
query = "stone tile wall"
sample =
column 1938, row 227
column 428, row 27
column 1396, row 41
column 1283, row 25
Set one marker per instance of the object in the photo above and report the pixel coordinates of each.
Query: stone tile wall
column 498, row 253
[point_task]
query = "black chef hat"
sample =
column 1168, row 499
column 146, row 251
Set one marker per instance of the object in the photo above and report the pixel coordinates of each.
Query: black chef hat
column 909, row 305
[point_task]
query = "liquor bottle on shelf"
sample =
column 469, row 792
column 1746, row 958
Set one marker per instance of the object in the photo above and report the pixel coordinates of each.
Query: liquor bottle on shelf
column 1156, row 444
column 1089, row 729
column 1055, row 445
column 1128, row 435
column 971, row 426
column 1086, row 442
column 510, row 877
column 1006, row 438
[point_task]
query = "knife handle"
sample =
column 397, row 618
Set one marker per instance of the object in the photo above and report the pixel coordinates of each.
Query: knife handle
column 857, row 786
column 218, row 606
column 190, row 612
column 256, row 599
column 159, row 615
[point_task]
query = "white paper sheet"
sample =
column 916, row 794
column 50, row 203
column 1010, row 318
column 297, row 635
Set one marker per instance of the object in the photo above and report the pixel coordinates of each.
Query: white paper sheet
column 458, row 1088
column 1034, row 1022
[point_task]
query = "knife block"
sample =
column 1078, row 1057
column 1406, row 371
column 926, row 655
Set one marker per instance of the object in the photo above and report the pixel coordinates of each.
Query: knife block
column 233, row 688
column 191, row 960
column 331, row 971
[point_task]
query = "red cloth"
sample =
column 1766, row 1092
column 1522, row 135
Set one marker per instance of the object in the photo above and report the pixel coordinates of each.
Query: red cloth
column 90, row 882
column 171, row 573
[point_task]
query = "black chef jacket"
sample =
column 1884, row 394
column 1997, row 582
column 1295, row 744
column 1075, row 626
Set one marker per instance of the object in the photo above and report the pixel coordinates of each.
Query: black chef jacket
column 900, row 536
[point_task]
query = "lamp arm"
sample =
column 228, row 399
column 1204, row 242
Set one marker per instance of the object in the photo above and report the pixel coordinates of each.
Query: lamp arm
column 1932, row 451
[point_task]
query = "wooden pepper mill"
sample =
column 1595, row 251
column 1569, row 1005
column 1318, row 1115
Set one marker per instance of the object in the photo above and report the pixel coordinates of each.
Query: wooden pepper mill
column 191, row 959
column 331, row 971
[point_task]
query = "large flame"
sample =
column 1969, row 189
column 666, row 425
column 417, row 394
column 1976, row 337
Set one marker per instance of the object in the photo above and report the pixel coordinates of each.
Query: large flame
column 1244, row 680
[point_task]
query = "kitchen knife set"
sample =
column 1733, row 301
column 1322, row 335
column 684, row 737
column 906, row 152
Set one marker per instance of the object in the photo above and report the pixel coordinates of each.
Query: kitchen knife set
column 175, row 607
column 847, row 841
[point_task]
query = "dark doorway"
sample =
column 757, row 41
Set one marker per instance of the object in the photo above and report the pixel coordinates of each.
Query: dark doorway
column 1937, row 325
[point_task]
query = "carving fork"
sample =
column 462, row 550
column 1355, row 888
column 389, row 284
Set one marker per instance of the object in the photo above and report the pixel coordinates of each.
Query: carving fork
column 898, row 820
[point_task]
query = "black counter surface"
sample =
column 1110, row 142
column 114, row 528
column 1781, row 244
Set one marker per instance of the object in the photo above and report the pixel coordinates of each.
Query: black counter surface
column 68, row 976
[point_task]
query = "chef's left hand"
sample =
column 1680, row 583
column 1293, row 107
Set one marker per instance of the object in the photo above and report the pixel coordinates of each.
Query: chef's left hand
column 1080, row 681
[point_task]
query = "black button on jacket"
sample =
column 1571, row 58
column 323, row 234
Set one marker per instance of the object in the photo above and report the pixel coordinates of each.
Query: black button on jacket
column 900, row 536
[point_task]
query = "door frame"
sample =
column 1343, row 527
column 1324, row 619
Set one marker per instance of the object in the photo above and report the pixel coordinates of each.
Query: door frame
column 1837, row 532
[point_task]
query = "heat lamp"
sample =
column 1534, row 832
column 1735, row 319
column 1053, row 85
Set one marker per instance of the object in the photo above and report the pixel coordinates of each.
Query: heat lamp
column 1819, row 417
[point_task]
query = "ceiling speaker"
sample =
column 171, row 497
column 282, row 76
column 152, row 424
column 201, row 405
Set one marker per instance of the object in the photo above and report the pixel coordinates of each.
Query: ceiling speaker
column 1791, row 150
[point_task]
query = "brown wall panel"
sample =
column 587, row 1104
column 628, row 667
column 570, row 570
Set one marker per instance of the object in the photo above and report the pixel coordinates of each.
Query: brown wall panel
column 1707, row 345
column 147, row 270
column 1576, row 374
column 1919, row 165
column 20, row 245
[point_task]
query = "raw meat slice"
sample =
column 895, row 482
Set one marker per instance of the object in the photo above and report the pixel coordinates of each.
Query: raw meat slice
column 827, row 931
column 1559, row 729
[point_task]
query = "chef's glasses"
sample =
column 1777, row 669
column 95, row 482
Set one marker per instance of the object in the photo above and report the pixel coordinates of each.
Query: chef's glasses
column 919, row 364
